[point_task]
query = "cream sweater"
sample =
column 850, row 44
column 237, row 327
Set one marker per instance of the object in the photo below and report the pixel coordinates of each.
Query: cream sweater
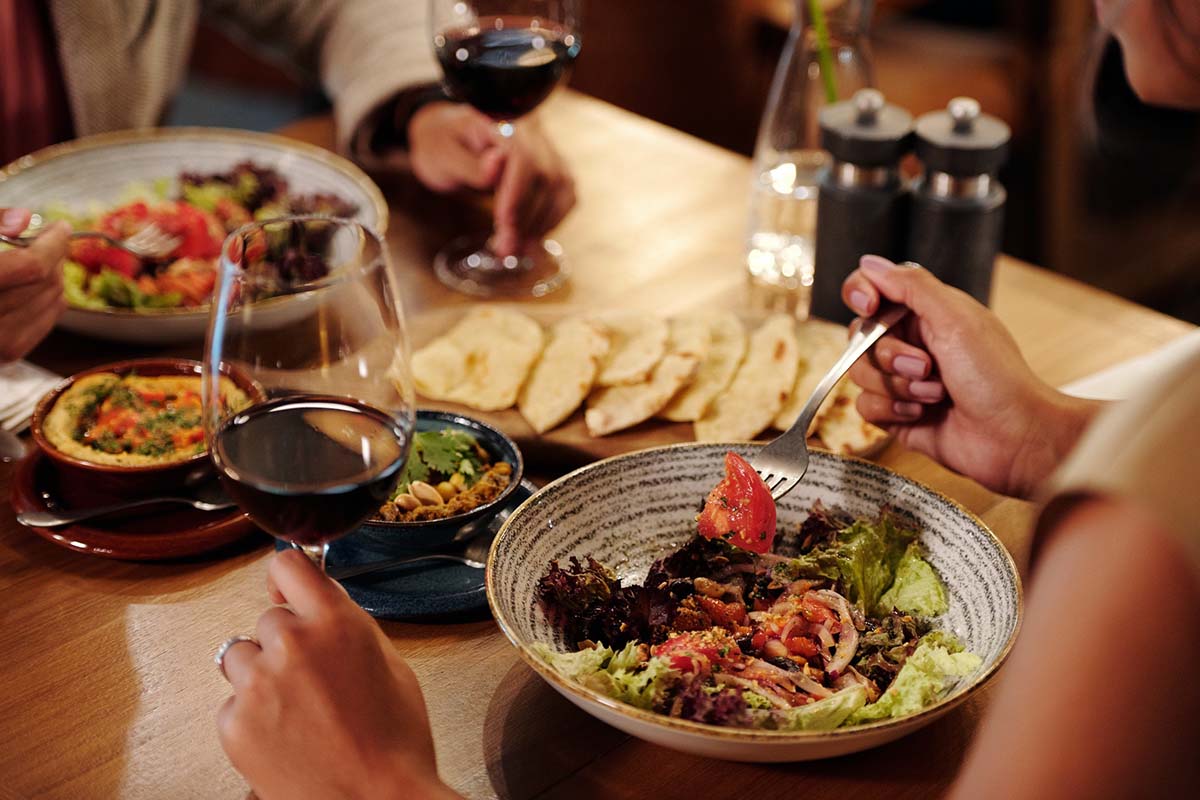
column 123, row 59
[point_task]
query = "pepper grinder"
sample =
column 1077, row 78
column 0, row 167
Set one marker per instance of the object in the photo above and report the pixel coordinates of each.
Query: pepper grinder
column 861, row 201
column 958, row 204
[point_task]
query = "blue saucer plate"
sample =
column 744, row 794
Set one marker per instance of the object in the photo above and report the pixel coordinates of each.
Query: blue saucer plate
column 426, row 589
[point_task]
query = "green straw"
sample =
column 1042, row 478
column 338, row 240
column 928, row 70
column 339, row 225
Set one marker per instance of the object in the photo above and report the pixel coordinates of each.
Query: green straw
column 824, row 53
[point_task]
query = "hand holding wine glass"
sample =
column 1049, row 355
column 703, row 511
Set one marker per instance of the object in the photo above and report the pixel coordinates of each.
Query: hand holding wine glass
column 452, row 146
column 504, row 57
column 326, row 707
column 307, row 308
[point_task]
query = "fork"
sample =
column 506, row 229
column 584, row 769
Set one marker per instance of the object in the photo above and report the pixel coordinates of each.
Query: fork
column 783, row 462
column 151, row 242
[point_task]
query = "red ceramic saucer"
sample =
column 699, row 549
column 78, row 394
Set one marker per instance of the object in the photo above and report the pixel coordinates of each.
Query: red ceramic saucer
column 153, row 534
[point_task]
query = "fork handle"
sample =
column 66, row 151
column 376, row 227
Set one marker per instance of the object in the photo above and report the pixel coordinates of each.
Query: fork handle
column 53, row 519
column 25, row 241
column 859, row 343
column 353, row 571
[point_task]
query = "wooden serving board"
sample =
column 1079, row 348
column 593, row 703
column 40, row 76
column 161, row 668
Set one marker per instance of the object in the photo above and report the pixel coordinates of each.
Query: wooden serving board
column 569, row 445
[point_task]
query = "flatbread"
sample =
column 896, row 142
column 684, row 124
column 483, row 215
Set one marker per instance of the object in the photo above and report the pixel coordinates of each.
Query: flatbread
column 841, row 428
column 615, row 408
column 821, row 344
column 760, row 387
column 565, row 373
column 482, row 361
column 639, row 341
column 438, row 368
column 727, row 349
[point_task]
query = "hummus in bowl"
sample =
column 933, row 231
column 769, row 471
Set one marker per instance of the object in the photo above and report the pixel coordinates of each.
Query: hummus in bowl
column 133, row 426
column 133, row 420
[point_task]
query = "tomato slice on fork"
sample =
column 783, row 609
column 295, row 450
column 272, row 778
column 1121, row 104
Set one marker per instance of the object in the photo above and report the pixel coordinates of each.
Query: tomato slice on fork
column 740, row 509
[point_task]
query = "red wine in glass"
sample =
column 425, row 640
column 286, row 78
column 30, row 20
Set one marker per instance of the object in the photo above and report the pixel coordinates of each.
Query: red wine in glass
column 309, row 468
column 505, row 66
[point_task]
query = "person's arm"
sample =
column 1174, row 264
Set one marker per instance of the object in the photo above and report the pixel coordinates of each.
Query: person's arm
column 366, row 53
column 1099, row 698
column 375, row 60
column 31, row 294
column 323, row 706
column 951, row 382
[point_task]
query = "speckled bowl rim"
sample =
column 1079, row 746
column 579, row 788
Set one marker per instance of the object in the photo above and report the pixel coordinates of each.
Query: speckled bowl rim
column 549, row 674
column 98, row 141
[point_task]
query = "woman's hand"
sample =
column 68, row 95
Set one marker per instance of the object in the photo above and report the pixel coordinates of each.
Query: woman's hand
column 950, row 382
column 452, row 146
column 324, row 707
column 31, row 296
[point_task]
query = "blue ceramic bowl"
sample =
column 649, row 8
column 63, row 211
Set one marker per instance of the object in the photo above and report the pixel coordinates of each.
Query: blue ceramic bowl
column 387, row 537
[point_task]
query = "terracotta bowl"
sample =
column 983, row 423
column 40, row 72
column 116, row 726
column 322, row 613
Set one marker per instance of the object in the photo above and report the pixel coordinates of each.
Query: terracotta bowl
column 122, row 480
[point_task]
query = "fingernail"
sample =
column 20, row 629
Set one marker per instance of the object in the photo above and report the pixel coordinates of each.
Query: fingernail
column 860, row 302
column 875, row 263
column 903, row 408
column 932, row 391
column 909, row 366
column 12, row 217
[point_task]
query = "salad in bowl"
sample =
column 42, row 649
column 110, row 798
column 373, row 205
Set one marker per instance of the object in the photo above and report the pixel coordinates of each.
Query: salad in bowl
column 859, row 608
column 725, row 632
column 196, row 209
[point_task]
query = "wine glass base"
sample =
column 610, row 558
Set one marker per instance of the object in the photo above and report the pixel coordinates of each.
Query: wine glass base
column 467, row 265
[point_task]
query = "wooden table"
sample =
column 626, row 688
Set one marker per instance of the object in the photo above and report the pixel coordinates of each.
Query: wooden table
column 108, row 684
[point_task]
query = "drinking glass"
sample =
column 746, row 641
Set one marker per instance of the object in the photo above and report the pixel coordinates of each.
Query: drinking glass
column 827, row 58
column 504, row 57
column 307, row 308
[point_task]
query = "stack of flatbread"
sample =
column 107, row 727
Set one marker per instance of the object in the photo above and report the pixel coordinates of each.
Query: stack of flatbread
column 629, row 367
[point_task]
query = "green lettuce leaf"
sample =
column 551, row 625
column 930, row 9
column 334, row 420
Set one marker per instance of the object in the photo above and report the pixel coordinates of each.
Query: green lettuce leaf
column 206, row 195
column 756, row 700
column 148, row 192
column 936, row 664
column 862, row 557
column 75, row 287
column 823, row 715
column 117, row 290
column 575, row 665
column 917, row 588
column 619, row 675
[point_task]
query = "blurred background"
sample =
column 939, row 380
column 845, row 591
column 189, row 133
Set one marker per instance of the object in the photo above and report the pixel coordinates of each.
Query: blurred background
column 704, row 66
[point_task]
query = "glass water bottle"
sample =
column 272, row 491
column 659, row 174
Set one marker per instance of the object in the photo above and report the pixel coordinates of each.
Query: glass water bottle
column 826, row 58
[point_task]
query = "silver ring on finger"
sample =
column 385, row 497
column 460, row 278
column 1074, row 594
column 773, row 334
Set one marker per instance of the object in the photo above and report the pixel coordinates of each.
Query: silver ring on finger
column 219, row 656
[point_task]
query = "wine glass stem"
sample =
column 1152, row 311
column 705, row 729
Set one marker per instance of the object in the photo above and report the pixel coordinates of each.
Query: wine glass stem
column 316, row 553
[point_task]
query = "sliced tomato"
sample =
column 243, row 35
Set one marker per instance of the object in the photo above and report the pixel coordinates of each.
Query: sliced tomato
column 727, row 615
column 698, row 651
column 194, row 283
column 95, row 255
column 801, row 646
column 740, row 509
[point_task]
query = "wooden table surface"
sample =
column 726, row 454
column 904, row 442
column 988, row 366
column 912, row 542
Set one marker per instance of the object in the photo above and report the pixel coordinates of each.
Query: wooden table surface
column 108, row 684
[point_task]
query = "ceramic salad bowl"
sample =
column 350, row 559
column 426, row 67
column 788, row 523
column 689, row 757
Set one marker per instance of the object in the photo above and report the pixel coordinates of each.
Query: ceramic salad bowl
column 630, row 510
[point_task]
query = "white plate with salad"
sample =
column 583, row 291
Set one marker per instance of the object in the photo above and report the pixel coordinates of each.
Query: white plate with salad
column 197, row 184
column 860, row 608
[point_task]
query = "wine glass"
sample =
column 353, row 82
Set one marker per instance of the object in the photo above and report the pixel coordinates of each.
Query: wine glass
column 504, row 57
column 307, row 308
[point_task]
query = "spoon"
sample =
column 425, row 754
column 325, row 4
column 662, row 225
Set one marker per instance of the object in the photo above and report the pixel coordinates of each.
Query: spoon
column 471, row 549
column 206, row 497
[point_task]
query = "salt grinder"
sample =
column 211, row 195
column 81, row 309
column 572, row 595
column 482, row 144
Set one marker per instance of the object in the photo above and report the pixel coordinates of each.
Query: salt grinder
column 861, row 205
column 957, row 211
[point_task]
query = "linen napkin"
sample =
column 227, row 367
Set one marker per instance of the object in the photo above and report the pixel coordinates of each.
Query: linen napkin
column 1121, row 381
column 21, row 386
